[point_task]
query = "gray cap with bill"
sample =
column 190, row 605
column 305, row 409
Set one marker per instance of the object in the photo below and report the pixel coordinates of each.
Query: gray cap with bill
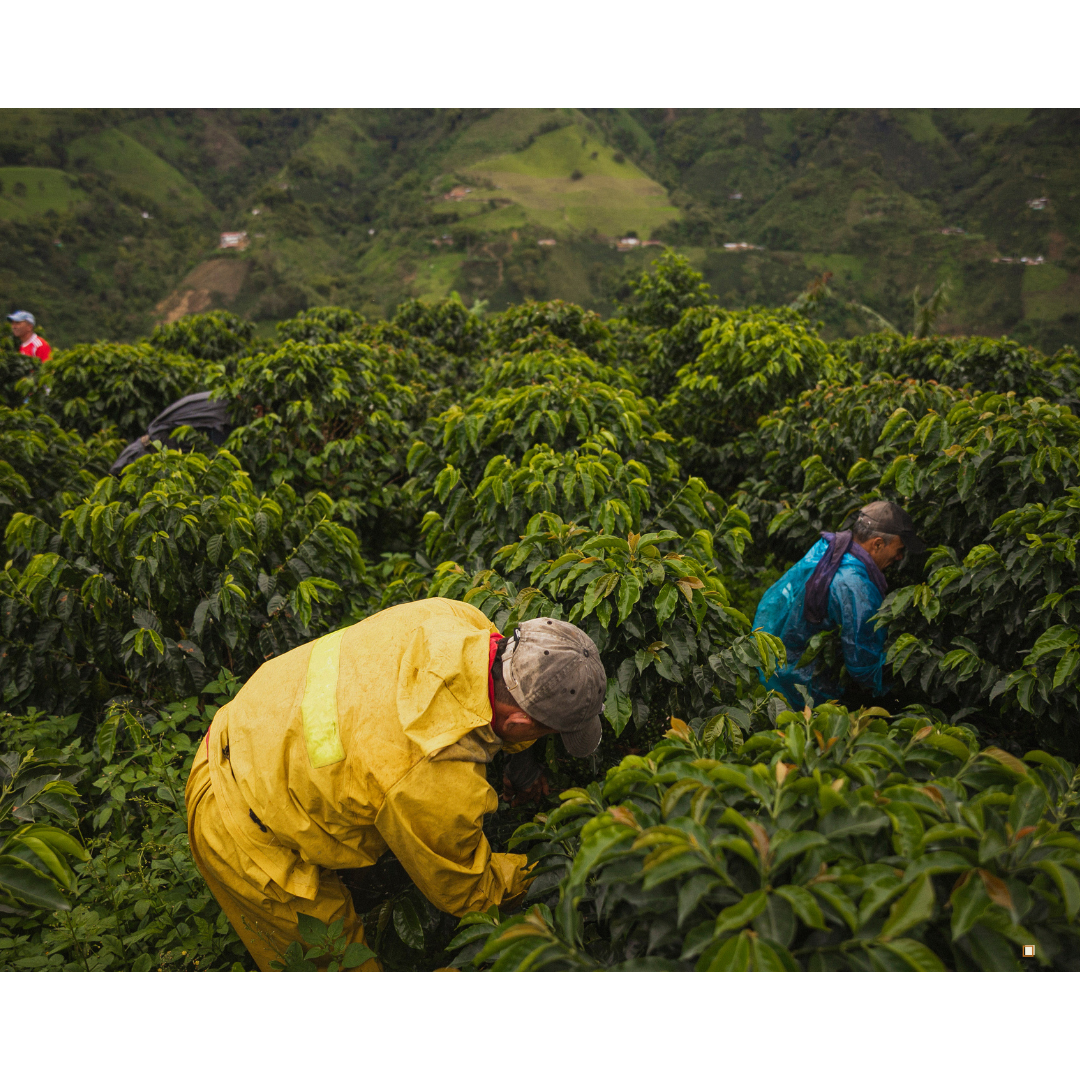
column 889, row 517
column 554, row 673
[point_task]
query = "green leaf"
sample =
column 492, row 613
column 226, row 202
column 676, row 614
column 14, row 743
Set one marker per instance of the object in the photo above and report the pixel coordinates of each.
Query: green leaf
column 469, row 934
column 629, row 594
column 949, row 745
column 58, row 839
column 691, row 893
column 769, row 956
column 607, row 543
column 938, row 862
column 1041, row 757
column 54, row 862
column 355, row 955
column 106, row 735
column 1066, row 883
column 597, row 590
column 839, row 901
column 948, row 833
column 665, row 604
column 29, row 885
column 1057, row 637
column 294, row 960
column 732, row 955
column 914, row 907
column 907, row 829
column 749, row 907
column 312, row 930
column 795, row 845
column 213, row 548
column 617, row 706
column 1066, row 668
column 803, row 904
column 915, row 954
column 1028, row 805
column 969, row 902
column 407, row 924
column 656, row 538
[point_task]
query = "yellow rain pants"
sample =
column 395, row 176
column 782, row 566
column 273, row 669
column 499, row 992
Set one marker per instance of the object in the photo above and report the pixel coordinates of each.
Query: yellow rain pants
column 372, row 737
column 262, row 913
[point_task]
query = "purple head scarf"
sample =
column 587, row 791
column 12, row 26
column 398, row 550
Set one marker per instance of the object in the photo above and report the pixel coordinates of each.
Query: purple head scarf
column 816, row 603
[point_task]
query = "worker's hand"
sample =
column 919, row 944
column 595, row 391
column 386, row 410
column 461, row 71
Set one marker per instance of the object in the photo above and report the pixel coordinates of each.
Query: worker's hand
column 536, row 792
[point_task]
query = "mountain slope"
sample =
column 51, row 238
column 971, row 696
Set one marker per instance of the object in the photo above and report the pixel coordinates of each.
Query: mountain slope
column 109, row 219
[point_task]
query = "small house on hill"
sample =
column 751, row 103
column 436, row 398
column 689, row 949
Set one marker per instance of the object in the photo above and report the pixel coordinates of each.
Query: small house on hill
column 234, row 240
column 458, row 193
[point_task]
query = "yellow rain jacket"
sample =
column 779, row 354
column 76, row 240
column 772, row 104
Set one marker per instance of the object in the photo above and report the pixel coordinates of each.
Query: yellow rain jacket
column 372, row 737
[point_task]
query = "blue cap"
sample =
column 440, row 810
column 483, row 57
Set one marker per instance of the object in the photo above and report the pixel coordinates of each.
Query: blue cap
column 22, row 316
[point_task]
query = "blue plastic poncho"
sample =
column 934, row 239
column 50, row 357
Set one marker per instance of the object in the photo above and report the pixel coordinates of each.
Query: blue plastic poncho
column 853, row 601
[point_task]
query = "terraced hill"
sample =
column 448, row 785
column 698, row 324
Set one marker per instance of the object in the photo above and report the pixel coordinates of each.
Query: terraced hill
column 109, row 220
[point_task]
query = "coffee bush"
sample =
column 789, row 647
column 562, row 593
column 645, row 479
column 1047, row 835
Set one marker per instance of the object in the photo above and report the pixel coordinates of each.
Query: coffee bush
column 830, row 842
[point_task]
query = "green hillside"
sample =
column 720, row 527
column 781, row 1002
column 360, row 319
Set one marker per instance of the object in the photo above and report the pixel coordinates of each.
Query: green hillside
column 26, row 193
column 106, row 216
column 138, row 170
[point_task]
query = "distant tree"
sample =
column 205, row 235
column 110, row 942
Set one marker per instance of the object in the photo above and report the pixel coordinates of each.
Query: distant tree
column 927, row 314
column 818, row 293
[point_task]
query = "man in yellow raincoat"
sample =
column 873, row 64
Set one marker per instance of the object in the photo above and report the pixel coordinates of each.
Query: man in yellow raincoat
column 376, row 737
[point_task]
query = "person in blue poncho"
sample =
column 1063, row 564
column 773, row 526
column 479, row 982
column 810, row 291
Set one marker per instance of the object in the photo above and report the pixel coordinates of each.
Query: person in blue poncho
column 839, row 582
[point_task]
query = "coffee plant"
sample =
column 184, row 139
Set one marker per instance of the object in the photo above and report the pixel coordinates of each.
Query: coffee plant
column 978, row 474
column 44, row 466
column 832, row 841
column 175, row 569
column 661, row 296
column 749, row 363
column 645, row 476
column 91, row 386
column 583, row 329
column 216, row 336
column 324, row 418
column 983, row 363
column 448, row 325
column 14, row 368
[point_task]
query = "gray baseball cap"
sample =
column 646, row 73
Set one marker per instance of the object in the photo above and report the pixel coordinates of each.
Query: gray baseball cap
column 22, row 316
column 889, row 517
column 553, row 671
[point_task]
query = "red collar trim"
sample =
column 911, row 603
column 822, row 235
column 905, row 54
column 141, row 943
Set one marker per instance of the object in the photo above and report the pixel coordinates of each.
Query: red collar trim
column 496, row 637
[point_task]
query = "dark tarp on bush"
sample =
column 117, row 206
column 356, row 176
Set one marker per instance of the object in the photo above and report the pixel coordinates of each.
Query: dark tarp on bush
column 196, row 410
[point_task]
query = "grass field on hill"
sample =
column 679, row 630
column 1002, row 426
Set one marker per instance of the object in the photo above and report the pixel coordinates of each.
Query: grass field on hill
column 139, row 170
column 26, row 193
column 568, row 179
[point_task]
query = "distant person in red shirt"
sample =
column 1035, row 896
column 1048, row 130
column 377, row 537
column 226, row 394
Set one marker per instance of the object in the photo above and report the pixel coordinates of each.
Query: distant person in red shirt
column 30, row 342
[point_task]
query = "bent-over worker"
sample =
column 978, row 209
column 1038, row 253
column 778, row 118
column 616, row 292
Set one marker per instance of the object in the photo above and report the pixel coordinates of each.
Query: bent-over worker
column 376, row 737
column 839, row 582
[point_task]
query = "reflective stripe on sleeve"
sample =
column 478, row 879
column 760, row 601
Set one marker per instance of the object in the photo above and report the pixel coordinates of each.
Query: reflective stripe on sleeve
column 319, row 708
